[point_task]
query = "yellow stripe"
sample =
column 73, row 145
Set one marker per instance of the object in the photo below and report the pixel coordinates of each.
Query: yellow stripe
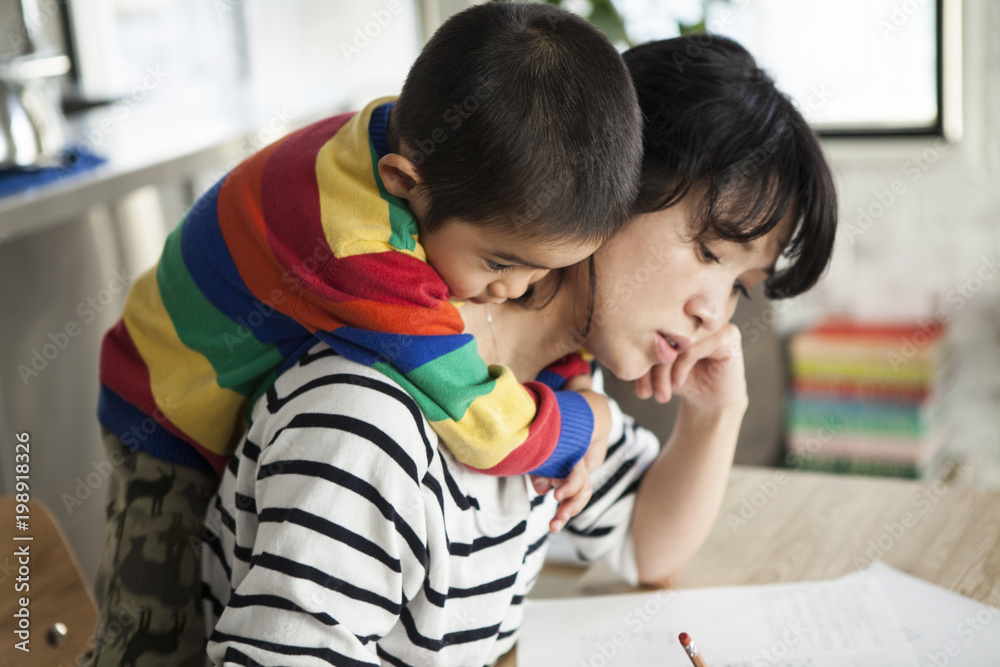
column 182, row 381
column 355, row 218
column 506, row 411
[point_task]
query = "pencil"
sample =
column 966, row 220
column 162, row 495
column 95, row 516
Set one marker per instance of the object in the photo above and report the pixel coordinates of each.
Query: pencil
column 691, row 650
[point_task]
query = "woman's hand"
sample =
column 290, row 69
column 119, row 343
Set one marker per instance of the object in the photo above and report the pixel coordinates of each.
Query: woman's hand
column 709, row 374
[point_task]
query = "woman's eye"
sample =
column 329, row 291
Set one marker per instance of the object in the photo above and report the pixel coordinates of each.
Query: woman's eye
column 739, row 288
column 706, row 254
column 498, row 268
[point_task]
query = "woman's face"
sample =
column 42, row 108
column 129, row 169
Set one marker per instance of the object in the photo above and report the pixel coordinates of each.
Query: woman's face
column 659, row 292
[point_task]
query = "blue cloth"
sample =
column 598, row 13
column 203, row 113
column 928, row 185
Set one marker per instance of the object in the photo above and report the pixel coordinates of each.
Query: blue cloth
column 75, row 160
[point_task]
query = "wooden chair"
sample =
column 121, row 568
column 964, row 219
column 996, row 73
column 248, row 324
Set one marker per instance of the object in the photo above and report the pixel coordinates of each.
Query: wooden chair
column 56, row 594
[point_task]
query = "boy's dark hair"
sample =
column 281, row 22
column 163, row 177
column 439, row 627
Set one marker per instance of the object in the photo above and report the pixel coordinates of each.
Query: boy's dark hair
column 523, row 117
column 715, row 120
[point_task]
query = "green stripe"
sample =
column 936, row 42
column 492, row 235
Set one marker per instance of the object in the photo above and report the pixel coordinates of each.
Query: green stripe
column 401, row 220
column 445, row 387
column 430, row 409
column 240, row 361
column 455, row 380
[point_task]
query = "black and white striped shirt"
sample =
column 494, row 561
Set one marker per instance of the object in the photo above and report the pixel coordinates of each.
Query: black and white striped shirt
column 343, row 535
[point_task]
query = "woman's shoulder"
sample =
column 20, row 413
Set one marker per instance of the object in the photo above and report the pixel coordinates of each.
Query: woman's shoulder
column 325, row 396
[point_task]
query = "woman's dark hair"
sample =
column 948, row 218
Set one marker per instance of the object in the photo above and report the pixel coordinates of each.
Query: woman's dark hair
column 716, row 124
column 522, row 116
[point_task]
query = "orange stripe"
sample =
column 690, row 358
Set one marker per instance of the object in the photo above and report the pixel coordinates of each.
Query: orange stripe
column 241, row 220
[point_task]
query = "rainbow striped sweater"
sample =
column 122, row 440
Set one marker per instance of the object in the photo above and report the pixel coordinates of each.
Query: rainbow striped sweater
column 302, row 241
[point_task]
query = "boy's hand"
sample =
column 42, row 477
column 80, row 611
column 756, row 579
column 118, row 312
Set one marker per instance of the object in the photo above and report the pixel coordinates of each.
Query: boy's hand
column 573, row 493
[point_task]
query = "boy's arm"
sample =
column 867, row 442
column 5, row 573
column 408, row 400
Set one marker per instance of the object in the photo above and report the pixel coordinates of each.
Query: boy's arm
column 488, row 420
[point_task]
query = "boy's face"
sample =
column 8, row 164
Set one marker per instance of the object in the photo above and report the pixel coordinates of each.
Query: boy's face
column 482, row 265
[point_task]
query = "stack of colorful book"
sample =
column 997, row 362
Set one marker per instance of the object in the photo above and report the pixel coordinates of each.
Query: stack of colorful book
column 868, row 399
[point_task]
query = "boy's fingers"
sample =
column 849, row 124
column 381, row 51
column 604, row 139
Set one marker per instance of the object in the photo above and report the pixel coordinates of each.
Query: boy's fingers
column 571, row 507
column 540, row 484
column 572, row 484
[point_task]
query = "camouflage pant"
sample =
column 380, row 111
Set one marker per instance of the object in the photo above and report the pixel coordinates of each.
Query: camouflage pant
column 149, row 582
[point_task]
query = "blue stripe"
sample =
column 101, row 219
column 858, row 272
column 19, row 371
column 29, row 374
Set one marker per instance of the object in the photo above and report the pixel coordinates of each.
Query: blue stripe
column 378, row 128
column 139, row 431
column 404, row 352
column 576, row 427
column 551, row 379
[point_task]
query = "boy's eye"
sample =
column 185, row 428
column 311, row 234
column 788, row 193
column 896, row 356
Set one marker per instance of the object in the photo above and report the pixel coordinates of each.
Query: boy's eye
column 498, row 268
column 740, row 288
column 706, row 254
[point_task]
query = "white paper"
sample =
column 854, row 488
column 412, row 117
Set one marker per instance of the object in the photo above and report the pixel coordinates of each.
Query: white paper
column 944, row 629
column 841, row 623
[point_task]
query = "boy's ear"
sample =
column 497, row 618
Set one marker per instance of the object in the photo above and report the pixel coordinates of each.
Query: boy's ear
column 399, row 175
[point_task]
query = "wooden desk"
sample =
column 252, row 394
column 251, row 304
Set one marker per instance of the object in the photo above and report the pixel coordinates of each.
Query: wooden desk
column 779, row 526
column 56, row 592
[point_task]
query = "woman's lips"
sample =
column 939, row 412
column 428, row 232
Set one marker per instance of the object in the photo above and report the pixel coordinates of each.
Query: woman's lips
column 664, row 351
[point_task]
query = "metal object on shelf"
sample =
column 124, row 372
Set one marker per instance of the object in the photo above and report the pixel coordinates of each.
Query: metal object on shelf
column 32, row 127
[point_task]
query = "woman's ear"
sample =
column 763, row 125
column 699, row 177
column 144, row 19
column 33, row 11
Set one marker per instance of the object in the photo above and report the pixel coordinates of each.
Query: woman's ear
column 399, row 175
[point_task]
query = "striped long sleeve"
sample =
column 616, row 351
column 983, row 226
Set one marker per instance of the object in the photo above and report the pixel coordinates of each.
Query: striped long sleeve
column 302, row 241
column 342, row 534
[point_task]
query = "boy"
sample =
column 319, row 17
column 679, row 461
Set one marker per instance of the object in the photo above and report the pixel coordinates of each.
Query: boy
column 503, row 155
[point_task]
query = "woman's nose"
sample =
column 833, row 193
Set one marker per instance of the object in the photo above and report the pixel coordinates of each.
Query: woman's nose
column 707, row 311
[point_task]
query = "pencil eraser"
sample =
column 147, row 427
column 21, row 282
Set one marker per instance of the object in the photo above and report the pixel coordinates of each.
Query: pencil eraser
column 685, row 639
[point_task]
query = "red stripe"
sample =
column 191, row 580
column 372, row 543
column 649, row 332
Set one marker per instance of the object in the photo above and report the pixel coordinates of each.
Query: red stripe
column 392, row 293
column 570, row 366
column 247, row 231
column 289, row 192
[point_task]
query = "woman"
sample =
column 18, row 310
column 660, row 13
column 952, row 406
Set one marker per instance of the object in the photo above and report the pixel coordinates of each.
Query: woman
column 342, row 534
